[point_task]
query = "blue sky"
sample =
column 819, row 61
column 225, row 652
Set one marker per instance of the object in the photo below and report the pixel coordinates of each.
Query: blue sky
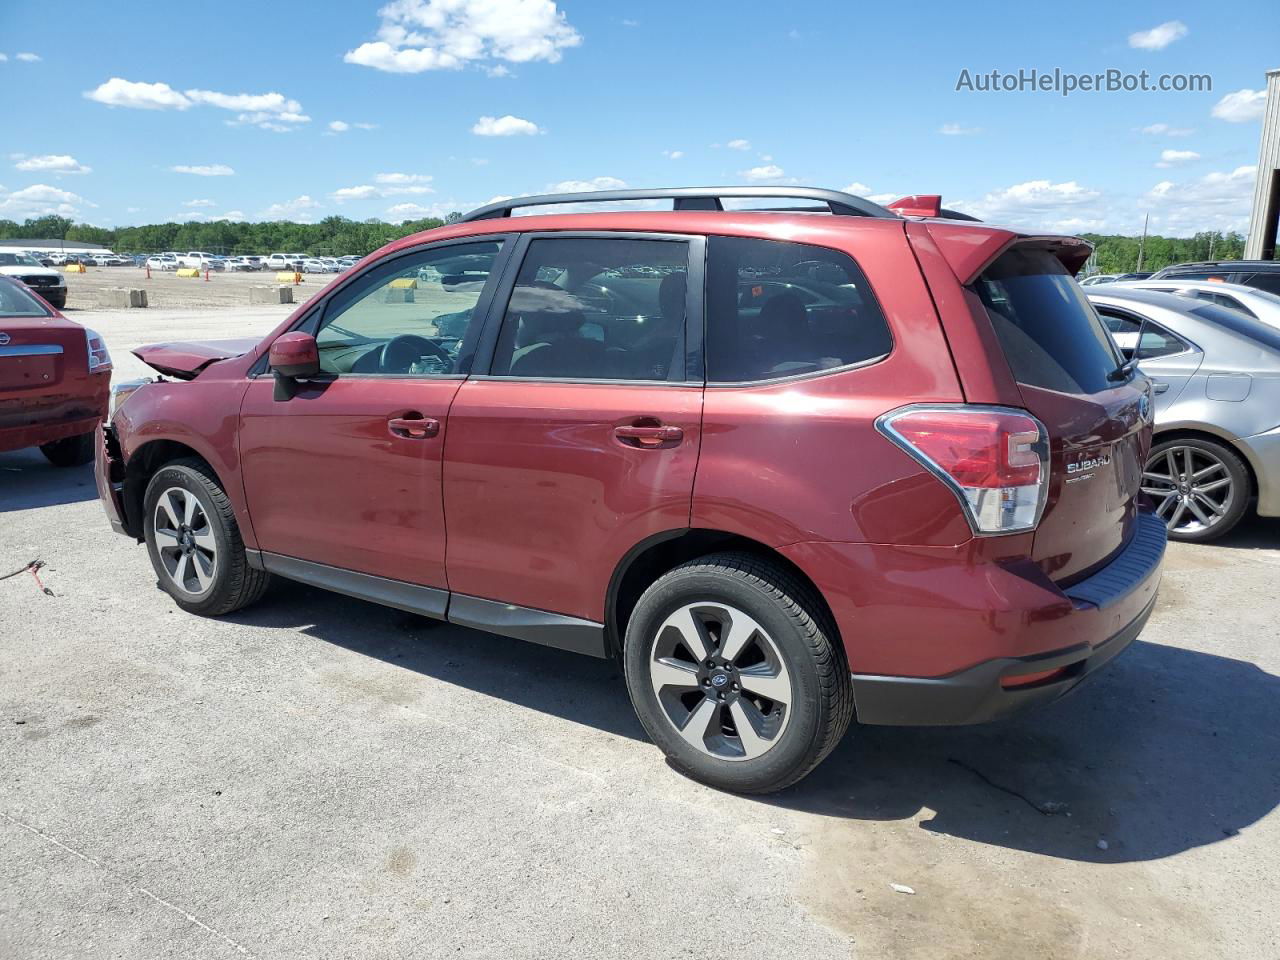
column 119, row 113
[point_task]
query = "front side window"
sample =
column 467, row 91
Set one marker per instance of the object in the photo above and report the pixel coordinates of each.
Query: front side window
column 596, row 309
column 410, row 316
column 778, row 309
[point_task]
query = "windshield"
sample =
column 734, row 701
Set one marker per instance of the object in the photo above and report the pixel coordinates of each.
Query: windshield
column 15, row 301
column 17, row 260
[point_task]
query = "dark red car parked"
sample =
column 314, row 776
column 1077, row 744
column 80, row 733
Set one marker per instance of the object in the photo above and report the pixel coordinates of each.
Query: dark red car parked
column 54, row 379
column 783, row 465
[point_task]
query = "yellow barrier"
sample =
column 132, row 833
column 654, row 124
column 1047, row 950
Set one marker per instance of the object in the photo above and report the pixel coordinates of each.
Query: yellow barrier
column 288, row 276
column 405, row 283
column 75, row 268
column 188, row 272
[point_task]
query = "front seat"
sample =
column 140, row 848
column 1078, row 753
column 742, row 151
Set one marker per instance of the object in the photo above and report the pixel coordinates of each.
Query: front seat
column 561, row 350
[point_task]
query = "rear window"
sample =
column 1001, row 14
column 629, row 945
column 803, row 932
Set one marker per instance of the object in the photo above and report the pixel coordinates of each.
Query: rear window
column 1267, row 282
column 16, row 302
column 1240, row 323
column 1050, row 334
column 777, row 309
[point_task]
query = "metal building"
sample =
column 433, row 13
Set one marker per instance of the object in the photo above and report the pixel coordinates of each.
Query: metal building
column 1261, row 244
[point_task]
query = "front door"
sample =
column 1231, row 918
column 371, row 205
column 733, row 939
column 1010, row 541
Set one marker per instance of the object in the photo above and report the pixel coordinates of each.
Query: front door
column 347, row 473
column 581, row 439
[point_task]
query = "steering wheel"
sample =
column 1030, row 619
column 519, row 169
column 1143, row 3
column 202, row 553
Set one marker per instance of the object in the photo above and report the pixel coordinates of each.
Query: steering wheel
column 400, row 353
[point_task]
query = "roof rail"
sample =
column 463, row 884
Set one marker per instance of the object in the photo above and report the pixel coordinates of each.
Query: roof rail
column 690, row 198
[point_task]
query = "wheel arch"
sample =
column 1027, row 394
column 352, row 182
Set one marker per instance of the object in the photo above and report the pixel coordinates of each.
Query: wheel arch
column 655, row 555
column 142, row 466
column 1212, row 436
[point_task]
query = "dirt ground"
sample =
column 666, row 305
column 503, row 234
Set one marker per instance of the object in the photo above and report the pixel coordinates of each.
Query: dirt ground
column 167, row 291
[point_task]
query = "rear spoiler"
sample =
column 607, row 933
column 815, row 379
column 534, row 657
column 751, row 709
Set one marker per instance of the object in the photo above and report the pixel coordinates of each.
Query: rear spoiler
column 969, row 250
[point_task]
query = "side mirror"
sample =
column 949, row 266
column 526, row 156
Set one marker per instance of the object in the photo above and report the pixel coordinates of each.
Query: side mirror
column 293, row 355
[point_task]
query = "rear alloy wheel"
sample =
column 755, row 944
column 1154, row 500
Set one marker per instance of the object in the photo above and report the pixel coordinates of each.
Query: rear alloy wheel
column 1200, row 488
column 70, row 451
column 736, row 674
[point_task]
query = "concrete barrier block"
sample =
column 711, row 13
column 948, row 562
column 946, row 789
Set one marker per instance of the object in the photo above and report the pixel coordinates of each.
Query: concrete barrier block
column 399, row 295
column 279, row 294
column 122, row 297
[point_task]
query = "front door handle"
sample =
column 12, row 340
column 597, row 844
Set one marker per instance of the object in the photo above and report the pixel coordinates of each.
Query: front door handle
column 414, row 428
column 654, row 436
column 1158, row 386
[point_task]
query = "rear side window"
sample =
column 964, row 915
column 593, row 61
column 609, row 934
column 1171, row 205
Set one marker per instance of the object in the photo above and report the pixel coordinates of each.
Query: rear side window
column 1050, row 334
column 777, row 309
column 1156, row 340
column 1238, row 323
column 16, row 302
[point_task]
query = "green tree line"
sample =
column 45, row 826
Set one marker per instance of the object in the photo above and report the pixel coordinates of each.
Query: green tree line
column 330, row 236
column 338, row 235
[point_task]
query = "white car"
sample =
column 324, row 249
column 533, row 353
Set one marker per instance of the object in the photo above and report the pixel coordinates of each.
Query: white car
column 284, row 261
column 315, row 265
column 162, row 261
column 1098, row 278
column 46, row 281
column 1259, row 304
column 200, row 260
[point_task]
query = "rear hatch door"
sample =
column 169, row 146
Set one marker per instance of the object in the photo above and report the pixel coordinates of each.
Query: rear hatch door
column 1065, row 364
column 36, row 354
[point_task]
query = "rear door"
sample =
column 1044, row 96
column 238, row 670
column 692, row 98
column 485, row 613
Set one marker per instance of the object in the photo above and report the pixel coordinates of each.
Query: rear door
column 1064, row 362
column 1167, row 360
column 580, row 437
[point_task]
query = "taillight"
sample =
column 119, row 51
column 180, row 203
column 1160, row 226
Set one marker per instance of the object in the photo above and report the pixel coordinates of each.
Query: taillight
column 99, row 356
column 995, row 459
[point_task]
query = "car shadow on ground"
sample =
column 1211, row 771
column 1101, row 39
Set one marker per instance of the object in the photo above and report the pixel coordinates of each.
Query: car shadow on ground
column 28, row 480
column 1166, row 750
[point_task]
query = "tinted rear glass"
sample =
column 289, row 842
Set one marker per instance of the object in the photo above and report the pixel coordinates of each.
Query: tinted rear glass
column 1240, row 323
column 1050, row 334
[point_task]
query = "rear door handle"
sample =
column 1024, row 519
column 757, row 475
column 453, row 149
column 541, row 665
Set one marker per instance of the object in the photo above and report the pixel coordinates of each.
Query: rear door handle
column 414, row 428
column 648, row 436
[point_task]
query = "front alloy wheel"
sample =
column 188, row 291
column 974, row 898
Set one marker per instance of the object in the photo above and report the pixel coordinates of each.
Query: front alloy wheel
column 185, row 542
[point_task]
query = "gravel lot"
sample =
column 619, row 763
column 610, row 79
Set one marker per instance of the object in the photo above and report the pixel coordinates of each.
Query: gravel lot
column 316, row 776
column 168, row 291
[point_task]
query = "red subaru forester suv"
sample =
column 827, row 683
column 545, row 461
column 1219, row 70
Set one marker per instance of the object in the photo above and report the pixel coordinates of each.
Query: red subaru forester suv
column 784, row 465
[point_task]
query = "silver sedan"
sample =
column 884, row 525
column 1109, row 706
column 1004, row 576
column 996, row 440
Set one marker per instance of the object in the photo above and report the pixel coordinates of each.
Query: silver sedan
column 1216, row 373
column 1262, row 304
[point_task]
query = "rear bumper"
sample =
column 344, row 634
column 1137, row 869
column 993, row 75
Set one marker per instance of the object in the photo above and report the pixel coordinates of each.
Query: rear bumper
column 1263, row 453
column 35, row 434
column 931, row 635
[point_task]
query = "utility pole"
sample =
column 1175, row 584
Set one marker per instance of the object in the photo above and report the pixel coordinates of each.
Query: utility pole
column 1213, row 236
column 1143, row 242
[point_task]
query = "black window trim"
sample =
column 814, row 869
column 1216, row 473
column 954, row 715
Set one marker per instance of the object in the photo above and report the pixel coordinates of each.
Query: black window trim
column 308, row 320
column 1139, row 318
column 811, row 374
column 695, row 372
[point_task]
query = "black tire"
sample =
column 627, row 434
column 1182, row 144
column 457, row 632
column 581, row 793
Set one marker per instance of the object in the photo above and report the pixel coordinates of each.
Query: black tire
column 69, row 451
column 1241, row 486
column 821, row 707
column 235, row 584
column 58, row 302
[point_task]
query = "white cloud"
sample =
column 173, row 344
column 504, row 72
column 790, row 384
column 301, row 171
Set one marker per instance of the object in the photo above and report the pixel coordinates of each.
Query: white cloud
column 769, row 171
column 197, row 203
column 1157, row 38
column 1041, row 204
column 362, row 192
column 416, row 211
column 957, row 130
column 1243, row 106
column 270, row 111
column 862, row 190
column 1165, row 130
column 297, row 209
column 415, row 189
column 501, row 70
column 365, row 126
column 29, row 57
column 204, row 170
column 506, row 126
column 402, row 178
column 586, row 186
column 339, row 126
column 1170, row 158
column 739, row 144
column 229, row 215
column 3, row 57
column 118, row 92
column 419, row 35
column 673, row 154
column 40, row 200
column 52, row 163
column 1216, row 201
